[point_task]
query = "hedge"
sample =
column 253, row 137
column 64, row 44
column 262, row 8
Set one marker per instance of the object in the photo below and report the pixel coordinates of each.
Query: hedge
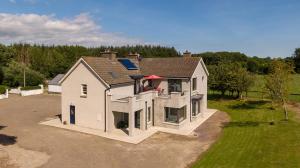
column 30, row 88
column 3, row 89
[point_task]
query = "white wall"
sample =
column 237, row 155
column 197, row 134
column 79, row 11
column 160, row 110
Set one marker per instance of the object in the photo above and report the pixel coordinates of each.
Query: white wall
column 201, row 85
column 33, row 92
column 89, row 111
column 54, row 88
column 122, row 91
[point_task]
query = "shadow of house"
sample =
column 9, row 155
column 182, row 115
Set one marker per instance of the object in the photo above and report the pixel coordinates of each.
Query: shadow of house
column 1, row 127
column 242, row 124
column 248, row 105
column 7, row 140
column 219, row 97
column 58, row 116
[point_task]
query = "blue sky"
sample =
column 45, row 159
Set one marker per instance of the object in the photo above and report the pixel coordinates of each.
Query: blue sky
column 256, row 27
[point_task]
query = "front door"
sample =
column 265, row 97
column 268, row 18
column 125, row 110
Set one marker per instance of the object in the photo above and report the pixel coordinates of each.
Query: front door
column 72, row 114
column 137, row 120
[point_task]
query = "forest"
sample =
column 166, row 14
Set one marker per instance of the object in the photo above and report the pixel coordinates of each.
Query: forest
column 41, row 62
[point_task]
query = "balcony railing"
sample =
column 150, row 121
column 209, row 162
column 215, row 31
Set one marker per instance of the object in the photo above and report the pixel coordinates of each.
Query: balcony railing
column 132, row 103
column 137, row 102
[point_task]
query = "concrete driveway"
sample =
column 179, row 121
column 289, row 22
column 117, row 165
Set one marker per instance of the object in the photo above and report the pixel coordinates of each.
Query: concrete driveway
column 25, row 143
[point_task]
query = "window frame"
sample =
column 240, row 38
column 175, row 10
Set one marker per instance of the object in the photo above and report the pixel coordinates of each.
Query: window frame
column 172, row 83
column 149, row 114
column 196, row 108
column 181, row 114
column 83, row 90
column 194, row 83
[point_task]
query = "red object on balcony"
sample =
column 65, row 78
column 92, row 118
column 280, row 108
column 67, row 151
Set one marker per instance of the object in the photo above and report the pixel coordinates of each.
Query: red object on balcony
column 153, row 77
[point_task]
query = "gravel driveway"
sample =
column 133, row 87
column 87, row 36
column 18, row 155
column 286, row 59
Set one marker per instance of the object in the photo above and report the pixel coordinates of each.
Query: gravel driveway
column 25, row 143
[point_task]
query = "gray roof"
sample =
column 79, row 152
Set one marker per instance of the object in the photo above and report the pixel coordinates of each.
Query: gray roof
column 56, row 79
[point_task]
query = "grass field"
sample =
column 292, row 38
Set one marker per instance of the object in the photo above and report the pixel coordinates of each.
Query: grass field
column 257, row 91
column 249, row 140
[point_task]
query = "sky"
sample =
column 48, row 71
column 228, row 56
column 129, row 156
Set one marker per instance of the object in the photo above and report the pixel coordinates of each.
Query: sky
column 264, row 28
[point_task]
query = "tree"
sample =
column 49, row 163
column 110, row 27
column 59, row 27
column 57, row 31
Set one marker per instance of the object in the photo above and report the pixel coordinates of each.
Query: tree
column 277, row 83
column 243, row 81
column 6, row 54
column 219, row 78
column 296, row 58
column 13, row 75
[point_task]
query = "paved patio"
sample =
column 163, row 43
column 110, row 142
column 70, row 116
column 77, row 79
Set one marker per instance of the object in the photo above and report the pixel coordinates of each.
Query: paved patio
column 25, row 143
column 139, row 135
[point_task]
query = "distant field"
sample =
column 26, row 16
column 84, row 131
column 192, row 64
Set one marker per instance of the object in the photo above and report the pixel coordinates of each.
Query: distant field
column 257, row 91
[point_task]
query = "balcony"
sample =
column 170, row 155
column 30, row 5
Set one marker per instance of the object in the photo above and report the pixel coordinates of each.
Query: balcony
column 132, row 103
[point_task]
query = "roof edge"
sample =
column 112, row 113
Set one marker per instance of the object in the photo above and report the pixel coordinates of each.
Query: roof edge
column 81, row 60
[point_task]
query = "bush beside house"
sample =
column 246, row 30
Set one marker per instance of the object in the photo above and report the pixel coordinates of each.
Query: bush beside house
column 3, row 89
column 3, row 92
column 31, row 87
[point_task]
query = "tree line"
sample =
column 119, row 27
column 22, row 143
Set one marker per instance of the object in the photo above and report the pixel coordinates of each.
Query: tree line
column 41, row 62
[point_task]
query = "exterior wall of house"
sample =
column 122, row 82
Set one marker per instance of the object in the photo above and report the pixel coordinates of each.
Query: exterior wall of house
column 175, row 100
column 201, row 85
column 54, row 88
column 162, row 84
column 122, row 91
column 89, row 111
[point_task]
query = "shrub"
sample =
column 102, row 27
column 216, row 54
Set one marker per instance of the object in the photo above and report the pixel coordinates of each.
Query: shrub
column 3, row 89
column 30, row 88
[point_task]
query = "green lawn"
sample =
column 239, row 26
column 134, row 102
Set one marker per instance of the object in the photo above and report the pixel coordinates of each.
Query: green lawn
column 250, row 141
column 257, row 90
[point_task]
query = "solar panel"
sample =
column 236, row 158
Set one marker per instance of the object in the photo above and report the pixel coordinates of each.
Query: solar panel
column 128, row 64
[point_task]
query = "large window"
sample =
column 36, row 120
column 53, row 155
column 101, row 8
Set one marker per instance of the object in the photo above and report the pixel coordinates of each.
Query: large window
column 83, row 90
column 175, row 115
column 174, row 85
column 194, row 83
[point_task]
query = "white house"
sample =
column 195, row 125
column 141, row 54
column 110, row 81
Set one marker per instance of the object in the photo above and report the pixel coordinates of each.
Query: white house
column 53, row 85
column 133, row 94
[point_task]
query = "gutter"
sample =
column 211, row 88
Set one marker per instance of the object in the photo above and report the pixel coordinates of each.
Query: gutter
column 105, row 129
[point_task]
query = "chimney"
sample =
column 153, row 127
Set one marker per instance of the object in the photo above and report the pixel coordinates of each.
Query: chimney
column 187, row 54
column 134, row 55
column 109, row 54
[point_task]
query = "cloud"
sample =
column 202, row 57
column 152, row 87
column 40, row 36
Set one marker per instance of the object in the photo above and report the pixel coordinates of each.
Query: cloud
column 12, row 1
column 47, row 29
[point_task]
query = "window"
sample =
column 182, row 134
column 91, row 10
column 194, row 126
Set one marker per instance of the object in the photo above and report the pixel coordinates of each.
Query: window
column 149, row 114
column 195, row 107
column 83, row 90
column 175, row 115
column 194, row 83
column 174, row 85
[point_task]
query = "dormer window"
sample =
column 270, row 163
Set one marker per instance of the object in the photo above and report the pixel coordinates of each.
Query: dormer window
column 83, row 90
